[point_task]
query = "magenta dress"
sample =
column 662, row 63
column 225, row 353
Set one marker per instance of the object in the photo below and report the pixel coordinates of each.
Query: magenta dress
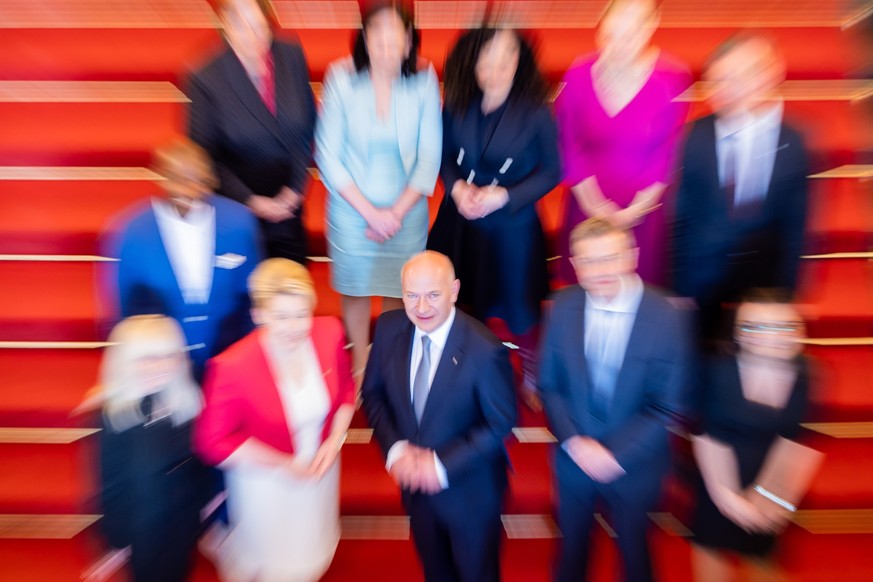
column 626, row 153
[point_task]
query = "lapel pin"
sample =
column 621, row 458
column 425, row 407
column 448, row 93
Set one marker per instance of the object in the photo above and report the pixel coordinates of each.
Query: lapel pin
column 454, row 360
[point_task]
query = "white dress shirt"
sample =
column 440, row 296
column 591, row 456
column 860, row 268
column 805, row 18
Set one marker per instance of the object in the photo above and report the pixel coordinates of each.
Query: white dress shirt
column 190, row 245
column 615, row 319
column 756, row 139
column 438, row 339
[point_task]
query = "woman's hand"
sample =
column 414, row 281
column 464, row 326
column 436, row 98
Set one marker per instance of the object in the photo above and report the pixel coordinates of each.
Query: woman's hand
column 737, row 508
column 463, row 194
column 382, row 224
column 490, row 199
column 296, row 468
column 326, row 456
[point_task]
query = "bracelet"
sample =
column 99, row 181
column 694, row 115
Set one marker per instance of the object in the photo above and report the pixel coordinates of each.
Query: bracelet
column 775, row 498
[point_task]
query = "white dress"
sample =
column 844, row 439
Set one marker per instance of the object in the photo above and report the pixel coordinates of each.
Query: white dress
column 284, row 528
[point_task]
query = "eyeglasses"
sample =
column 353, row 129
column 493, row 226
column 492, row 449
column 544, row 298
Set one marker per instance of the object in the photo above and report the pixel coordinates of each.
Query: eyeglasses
column 769, row 328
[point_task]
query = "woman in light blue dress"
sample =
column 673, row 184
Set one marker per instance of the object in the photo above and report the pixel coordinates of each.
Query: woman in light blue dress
column 379, row 146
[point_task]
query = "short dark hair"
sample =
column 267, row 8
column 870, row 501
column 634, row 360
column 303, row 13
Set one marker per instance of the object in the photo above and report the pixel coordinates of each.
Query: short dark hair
column 737, row 40
column 359, row 51
column 767, row 296
column 461, row 88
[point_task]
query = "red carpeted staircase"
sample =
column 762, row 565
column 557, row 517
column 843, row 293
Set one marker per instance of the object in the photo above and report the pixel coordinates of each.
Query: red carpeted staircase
column 87, row 89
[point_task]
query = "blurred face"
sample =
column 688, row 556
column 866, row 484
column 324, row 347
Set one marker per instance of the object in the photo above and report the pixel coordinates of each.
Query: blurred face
column 429, row 292
column 769, row 330
column 187, row 178
column 247, row 29
column 626, row 29
column 601, row 263
column 744, row 78
column 287, row 318
column 497, row 64
column 155, row 371
column 388, row 42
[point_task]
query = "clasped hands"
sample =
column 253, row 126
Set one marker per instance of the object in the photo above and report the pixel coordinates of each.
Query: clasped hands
column 415, row 470
column 278, row 208
column 476, row 202
column 593, row 458
column 324, row 458
column 751, row 511
column 382, row 224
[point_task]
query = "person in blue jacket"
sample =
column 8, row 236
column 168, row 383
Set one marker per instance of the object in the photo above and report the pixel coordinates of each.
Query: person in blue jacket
column 186, row 254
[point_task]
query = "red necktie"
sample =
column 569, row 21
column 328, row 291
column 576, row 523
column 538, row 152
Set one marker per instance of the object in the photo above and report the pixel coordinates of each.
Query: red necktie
column 267, row 85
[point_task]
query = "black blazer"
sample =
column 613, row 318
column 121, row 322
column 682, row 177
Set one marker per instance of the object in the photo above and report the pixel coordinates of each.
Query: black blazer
column 255, row 152
column 151, row 495
column 716, row 256
column 651, row 390
column 469, row 412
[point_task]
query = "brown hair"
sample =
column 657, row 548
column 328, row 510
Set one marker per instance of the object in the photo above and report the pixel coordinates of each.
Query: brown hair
column 182, row 148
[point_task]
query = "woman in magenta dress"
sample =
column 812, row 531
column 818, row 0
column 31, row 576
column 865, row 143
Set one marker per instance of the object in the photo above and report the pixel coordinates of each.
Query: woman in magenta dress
column 620, row 125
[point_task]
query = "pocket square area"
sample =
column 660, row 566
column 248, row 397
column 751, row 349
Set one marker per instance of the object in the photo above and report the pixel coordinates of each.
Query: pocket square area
column 229, row 261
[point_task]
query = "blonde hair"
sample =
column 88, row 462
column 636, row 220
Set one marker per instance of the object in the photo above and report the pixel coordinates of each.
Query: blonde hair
column 279, row 276
column 596, row 228
column 133, row 339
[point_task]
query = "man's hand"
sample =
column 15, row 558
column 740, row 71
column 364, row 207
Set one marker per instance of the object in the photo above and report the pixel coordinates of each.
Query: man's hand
column 427, row 481
column 268, row 208
column 594, row 459
column 403, row 470
column 290, row 199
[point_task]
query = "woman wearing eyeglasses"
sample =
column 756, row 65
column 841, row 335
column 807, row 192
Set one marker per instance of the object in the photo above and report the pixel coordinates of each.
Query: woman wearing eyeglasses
column 753, row 471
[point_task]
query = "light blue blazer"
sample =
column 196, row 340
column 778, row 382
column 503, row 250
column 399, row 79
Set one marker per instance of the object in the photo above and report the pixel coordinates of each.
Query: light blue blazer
column 346, row 119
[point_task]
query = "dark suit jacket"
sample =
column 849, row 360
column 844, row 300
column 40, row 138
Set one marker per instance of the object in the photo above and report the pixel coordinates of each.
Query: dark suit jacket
column 522, row 156
column 469, row 411
column 143, row 281
column 716, row 256
column 151, row 495
column 255, row 152
column 651, row 391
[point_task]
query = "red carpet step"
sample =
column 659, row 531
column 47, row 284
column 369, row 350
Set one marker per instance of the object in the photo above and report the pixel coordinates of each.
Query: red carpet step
column 167, row 53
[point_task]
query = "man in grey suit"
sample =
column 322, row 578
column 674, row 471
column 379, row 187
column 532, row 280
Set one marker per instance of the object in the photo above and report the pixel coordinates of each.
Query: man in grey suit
column 613, row 375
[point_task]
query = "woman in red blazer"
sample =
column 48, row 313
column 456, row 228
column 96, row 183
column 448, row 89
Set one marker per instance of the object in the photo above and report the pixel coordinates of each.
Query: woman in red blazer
column 278, row 405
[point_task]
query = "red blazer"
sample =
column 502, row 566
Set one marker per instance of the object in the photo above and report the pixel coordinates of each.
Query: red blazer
column 242, row 399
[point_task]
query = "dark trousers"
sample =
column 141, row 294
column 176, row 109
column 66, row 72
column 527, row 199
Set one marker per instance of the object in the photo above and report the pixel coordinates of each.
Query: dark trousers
column 457, row 543
column 286, row 239
column 625, row 505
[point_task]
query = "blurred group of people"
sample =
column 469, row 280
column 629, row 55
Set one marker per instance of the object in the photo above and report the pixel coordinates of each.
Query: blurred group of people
column 219, row 359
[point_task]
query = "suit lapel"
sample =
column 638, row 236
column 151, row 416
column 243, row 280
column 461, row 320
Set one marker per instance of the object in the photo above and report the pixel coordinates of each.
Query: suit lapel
column 710, row 152
column 401, row 372
column 451, row 361
column 641, row 333
column 508, row 134
column 163, row 258
column 577, row 329
column 782, row 152
column 242, row 85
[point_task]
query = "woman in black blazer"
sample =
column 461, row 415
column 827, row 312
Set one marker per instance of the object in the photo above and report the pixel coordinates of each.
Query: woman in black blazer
column 500, row 156
column 253, row 110
column 152, row 486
